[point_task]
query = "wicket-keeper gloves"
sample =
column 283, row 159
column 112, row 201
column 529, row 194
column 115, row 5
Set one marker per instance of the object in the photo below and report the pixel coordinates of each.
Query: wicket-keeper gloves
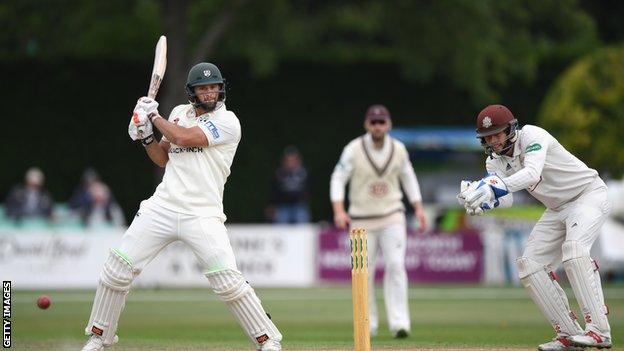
column 487, row 193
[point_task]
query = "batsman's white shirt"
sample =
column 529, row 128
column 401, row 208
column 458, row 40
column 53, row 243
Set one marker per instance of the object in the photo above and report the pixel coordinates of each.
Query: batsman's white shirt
column 195, row 176
column 539, row 163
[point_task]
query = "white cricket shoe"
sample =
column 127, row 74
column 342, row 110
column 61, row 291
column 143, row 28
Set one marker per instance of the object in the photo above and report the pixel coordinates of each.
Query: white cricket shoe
column 559, row 344
column 96, row 343
column 592, row 339
column 271, row 345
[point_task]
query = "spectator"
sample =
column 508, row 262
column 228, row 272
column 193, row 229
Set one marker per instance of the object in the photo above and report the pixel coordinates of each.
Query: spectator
column 289, row 192
column 94, row 203
column 30, row 200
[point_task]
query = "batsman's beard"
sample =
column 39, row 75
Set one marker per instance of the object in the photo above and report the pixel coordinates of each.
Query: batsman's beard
column 208, row 106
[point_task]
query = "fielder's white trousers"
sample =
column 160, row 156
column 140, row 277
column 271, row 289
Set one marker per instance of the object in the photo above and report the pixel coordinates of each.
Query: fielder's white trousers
column 155, row 227
column 391, row 240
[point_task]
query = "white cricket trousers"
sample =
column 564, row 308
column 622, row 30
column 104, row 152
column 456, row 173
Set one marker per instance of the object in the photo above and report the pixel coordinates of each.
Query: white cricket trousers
column 155, row 227
column 391, row 239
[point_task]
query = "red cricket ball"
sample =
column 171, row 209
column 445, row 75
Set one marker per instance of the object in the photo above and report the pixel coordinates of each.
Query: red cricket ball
column 44, row 302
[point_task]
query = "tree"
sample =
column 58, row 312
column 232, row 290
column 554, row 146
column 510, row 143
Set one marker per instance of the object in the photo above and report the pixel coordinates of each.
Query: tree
column 585, row 109
column 480, row 47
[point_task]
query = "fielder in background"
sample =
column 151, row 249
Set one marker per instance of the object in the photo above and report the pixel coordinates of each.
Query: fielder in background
column 576, row 207
column 375, row 165
column 197, row 149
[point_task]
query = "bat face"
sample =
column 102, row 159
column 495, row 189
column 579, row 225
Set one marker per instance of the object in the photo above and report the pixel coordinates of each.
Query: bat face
column 160, row 64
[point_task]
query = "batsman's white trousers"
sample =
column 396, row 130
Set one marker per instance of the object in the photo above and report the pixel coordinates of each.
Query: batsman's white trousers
column 391, row 239
column 579, row 220
column 155, row 227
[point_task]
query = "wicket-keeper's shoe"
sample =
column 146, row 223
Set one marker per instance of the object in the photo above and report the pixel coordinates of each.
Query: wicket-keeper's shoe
column 401, row 334
column 592, row 339
column 96, row 343
column 271, row 345
column 560, row 343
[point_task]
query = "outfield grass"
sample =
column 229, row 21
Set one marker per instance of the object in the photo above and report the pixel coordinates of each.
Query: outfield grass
column 443, row 317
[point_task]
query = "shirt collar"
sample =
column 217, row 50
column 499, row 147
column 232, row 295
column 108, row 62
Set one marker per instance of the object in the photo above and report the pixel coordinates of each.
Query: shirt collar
column 368, row 139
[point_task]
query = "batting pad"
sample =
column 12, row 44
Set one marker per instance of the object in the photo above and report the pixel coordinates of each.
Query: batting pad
column 110, row 297
column 241, row 299
column 583, row 274
column 548, row 296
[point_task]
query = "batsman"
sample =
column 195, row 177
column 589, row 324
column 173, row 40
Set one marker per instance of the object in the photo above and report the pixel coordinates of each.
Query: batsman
column 197, row 149
column 576, row 207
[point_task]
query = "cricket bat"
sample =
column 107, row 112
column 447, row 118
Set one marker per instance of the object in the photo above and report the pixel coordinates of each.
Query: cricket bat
column 158, row 72
column 160, row 64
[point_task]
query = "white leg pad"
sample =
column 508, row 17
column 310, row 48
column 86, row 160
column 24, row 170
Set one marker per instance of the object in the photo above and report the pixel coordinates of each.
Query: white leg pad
column 583, row 274
column 548, row 296
column 110, row 297
column 241, row 299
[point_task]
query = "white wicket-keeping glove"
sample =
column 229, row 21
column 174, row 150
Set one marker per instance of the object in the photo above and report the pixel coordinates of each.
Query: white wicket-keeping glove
column 487, row 193
column 475, row 211
column 468, row 187
column 464, row 187
column 146, row 104
column 140, row 128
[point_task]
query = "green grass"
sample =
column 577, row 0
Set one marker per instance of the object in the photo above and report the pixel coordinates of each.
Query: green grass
column 319, row 318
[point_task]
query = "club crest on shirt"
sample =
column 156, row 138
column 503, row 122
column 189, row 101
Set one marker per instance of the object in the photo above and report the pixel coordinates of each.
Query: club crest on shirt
column 378, row 189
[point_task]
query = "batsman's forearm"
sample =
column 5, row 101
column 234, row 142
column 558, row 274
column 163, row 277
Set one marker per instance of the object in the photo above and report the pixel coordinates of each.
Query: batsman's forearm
column 181, row 136
column 169, row 130
column 157, row 154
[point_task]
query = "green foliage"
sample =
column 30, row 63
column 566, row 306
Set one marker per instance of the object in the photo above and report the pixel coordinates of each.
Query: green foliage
column 585, row 110
column 59, row 29
column 478, row 46
column 481, row 46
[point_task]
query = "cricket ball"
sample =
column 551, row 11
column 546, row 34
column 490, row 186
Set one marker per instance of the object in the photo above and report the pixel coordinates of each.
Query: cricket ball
column 44, row 302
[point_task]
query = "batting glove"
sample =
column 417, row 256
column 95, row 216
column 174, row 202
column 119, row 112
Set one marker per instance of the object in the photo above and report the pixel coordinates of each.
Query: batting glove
column 140, row 128
column 148, row 105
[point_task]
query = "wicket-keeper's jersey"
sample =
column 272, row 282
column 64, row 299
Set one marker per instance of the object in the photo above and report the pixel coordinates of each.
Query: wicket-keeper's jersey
column 542, row 166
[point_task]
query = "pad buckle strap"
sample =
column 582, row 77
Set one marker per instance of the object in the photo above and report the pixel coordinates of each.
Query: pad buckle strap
column 595, row 263
column 552, row 275
column 594, row 336
column 564, row 341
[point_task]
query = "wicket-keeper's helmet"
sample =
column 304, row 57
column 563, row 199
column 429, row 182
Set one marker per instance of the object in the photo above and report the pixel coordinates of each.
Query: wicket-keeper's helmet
column 204, row 73
column 494, row 119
